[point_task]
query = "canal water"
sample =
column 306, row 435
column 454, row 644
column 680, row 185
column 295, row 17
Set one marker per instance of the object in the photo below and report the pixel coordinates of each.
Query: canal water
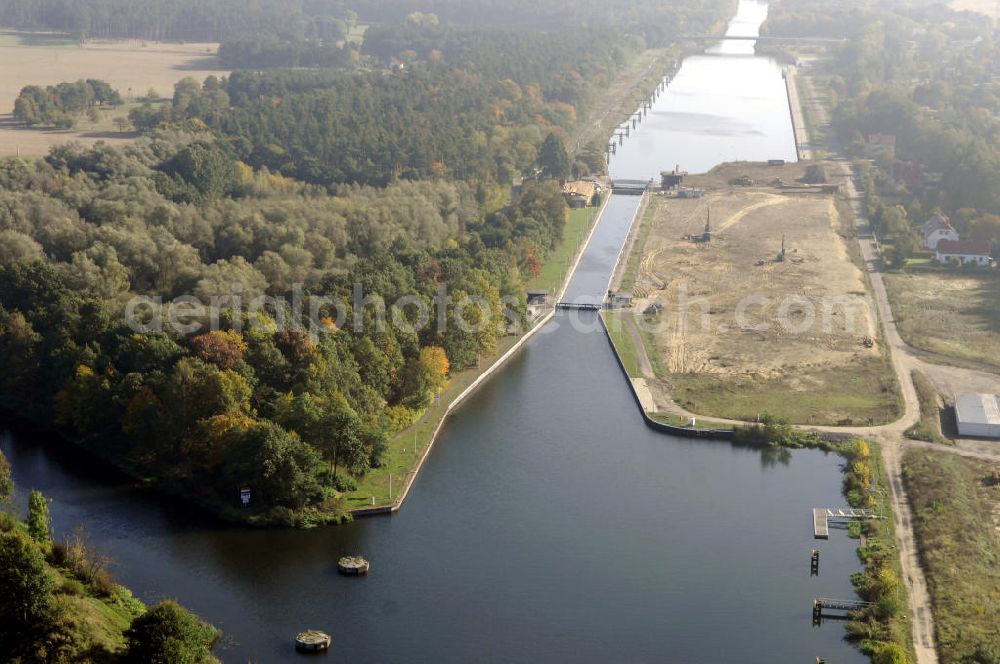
column 593, row 273
column 548, row 525
column 725, row 105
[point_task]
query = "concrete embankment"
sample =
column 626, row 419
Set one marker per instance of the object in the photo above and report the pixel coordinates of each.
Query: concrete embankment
column 394, row 505
column 799, row 132
column 687, row 432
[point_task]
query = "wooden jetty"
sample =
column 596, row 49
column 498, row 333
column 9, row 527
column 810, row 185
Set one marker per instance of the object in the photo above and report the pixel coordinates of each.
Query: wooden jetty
column 313, row 640
column 353, row 565
column 824, row 516
column 843, row 608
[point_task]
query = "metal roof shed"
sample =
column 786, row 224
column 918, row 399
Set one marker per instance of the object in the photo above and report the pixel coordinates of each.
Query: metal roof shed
column 978, row 415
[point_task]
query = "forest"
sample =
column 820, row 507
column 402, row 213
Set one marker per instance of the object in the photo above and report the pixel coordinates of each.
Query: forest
column 190, row 20
column 292, row 412
column 329, row 20
column 430, row 121
column 928, row 76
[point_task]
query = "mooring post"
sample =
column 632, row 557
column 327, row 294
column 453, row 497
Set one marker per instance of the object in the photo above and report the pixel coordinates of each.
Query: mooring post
column 814, row 563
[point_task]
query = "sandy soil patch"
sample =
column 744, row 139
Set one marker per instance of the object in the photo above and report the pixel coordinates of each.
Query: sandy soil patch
column 752, row 321
column 756, row 308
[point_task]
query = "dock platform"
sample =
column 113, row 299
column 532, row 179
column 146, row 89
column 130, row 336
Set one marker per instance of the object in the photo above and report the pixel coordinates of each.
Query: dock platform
column 823, row 516
column 822, row 606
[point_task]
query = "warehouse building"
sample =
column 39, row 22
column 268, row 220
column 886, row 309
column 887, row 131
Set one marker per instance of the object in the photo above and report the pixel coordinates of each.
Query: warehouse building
column 978, row 415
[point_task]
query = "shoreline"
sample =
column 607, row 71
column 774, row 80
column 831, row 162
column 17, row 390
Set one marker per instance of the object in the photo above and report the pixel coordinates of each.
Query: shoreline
column 396, row 504
column 796, row 112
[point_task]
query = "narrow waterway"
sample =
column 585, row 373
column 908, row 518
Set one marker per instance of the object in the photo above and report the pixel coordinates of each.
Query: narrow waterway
column 548, row 524
column 592, row 275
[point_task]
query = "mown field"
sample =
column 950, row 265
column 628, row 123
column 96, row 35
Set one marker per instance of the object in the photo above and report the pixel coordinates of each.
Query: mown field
column 952, row 315
column 861, row 393
column 556, row 265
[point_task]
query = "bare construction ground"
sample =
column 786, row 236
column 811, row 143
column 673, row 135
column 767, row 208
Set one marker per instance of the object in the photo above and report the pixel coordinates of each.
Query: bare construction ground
column 760, row 334
column 136, row 66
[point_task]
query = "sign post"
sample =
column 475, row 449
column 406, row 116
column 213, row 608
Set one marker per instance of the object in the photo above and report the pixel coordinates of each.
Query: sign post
column 245, row 496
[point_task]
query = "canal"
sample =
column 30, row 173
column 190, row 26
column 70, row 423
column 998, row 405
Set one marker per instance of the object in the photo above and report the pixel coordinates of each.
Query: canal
column 548, row 524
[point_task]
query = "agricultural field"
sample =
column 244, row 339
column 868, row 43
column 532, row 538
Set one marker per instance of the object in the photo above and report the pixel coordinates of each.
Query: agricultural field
column 761, row 333
column 132, row 67
column 953, row 316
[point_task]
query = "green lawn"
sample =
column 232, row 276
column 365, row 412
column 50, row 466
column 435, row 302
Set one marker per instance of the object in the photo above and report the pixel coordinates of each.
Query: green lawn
column 51, row 39
column 635, row 257
column 951, row 314
column 680, row 421
column 623, row 342
column 558, row 262
column 860, row 393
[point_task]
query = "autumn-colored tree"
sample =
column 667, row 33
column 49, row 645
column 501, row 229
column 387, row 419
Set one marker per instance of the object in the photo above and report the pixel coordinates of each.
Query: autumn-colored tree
column 532, row 262
column 434, row 362
column 221, row 348
column 295, row 345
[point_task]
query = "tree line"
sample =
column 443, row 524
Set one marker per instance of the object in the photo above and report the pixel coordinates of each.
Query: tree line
column 218, row 20
column 190, row 20
column 657, row 23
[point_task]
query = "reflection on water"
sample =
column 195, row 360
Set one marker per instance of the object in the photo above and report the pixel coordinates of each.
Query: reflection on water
column 549, row 523
column 727, row 105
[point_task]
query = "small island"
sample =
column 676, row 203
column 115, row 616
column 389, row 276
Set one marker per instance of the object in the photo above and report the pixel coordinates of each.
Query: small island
column 353, row 565
column 313, row 640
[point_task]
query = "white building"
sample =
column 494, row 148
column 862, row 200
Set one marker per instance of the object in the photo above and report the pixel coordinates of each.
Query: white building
column 978, row 415
column 964, row 253
column 937, row 228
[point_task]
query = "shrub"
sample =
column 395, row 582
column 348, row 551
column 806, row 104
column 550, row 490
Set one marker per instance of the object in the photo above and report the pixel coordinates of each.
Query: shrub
column 39, row 525
column 58, row 554
column 6, row 479
column 26, row 589
column 7, row 522
column 72, row 587
column 890, row 653
column 344, row 483
column 103, row 584
column 169, row 634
